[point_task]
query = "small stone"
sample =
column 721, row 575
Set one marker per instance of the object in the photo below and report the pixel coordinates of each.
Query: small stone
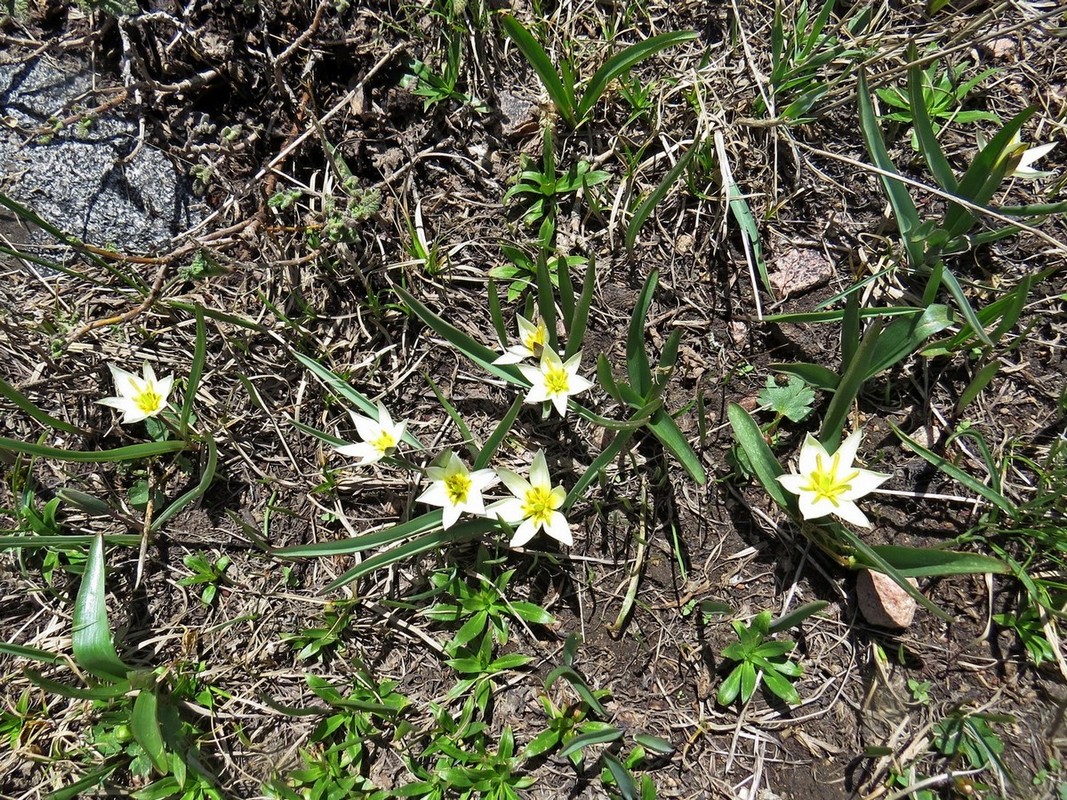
column 738, row 332
column 1000, row 49
column 800, row 270
column 882, row 602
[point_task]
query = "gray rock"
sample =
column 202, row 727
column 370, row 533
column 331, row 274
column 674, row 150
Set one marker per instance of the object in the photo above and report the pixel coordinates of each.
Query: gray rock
column 78, row 178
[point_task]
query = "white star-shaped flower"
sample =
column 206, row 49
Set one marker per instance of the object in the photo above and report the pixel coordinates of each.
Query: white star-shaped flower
column 532, row 340
column 826, row 484
column 535, row 504
column 456, row 489
column 380, row 437
column 138, row 397
column 555, row 380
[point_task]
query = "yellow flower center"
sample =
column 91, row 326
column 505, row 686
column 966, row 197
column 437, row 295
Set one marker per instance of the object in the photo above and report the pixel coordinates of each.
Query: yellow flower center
column 556, row 380
column 457, row 487
column 535, row 341
column 148, row 399
column 826, row 484
column 384, row 442
column 537, row 506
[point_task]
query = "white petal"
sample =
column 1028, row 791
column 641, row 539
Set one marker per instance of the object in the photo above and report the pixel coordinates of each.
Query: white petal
column 367, row 428
column 578, row 383
column 398, row 431
column 558, row 495
column 850, row 512
column 524, row 534
column 449, row 515
column 121, row 403
column 475, row 504
column 812, row 508
column 560, row 402
column 810, row 452
column 559, row 529
column 848, row 449
column 125, row 382
column 509, row 510
column 573, row 363
column 537, row 394
column 148, row 372
column 864, row 483
column 384, row 420
column 367, row 454
column 434, row 495
column 516, row 484
column 539, row 471
column 513, row 355
column 526, row 328
column 793, row 483
column 482, row 479
column 532, row 374
column 163, row 387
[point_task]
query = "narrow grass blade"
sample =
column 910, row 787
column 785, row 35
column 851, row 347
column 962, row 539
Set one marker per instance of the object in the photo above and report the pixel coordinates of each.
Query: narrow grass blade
column 20, row 400
column 478, row 353
column 850, row 330
column 795, row 617
column 764, row 464
column 579, row 685
column 847, row 390
column 623, row 62
column 198, row 491
column 88, row 503
column 566, row 292
column 87, row 782
column 838, row 315
column 924, row 129
column 649, row 204
column 546, row 299
column 637, row 365
column 99, row 693
column 977, row 385
column 496, row 438
column 327, row 438
column 144, row 725
column 543, row 66
column 31, row 653
column 603, row 736
column 131, row 452
column 496, row 315
column 904, row 210
column 67, row 540
column 196, row 370
column 950, row 469
column 965, row 306
column 469, row 439
column 358, row 544
column 332, row 381
column 577, row 322
column 746, row 223
column 666, row 430
column 91, row 638
column 606, row 456
column 902, row 337
column 462, row 532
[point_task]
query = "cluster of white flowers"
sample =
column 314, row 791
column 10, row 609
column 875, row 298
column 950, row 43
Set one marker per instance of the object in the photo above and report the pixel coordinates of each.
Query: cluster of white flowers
column 553, row 379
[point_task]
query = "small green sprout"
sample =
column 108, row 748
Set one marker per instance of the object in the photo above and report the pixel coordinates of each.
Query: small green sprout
column 756, row 657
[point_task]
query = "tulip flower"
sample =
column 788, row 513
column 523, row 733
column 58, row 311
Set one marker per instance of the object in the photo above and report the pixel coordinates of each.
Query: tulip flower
column 535, row 505
column 138, row 397
column 456, row 489
column 380, row 437
column 532, row 340
column 829, row 484
column 555, row 380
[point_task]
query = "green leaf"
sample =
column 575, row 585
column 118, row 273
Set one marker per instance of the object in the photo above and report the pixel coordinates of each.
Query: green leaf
column 100, row 692
column 496, row 438
column 637, row 364
column 654, row 744
column 814, row 375
column 577, row 322
column 730, row 687
column 624, row 61
column 198, row 491
column 848, row 388
column 542, row 65
column 623, row 779
column 196, row 370
column 781, row 687
column 924, row 129
column 32, row 653
column 335, row 383
column 907, row 216
column 904, row 336
column 925, row 562
column 86, row 783
column 648, row 205
column 666, row 430
column 579, row 685
column 357, row 544
column 131, row 452
column 608, row 734
column 950, row 469
column 144, row 725
column 746, row 223
column 795, row 617
column 764, row 464
column 91, row 638
column 793, row 401
column 20, row 400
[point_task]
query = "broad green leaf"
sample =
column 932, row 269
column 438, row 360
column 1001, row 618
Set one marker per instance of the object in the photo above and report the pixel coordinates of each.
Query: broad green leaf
column 665, row 429
column 764, row 464
column 576, row 323
column 543, row 66
column 32, row 653
column 950, row 469
column 496, row 438
column 903, row 336
column 796, row 616
column 88, row 503
column 977, row 385
column 599, row 463
column 624, row 781
column 603, row 736
column 20, row 400
column 546, row 299
column 792, row 401
column 196, row 370
column 925, row 562
column 848, row 388
column 131, row 452
column 144, row 725
column 370, row 541
column 67, row 540
column 622, row 62
column 101, row 692
column 91, row 637
column 924, row 129
column 815, row 375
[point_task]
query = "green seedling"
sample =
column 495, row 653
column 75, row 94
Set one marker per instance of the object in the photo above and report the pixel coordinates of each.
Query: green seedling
column 206, row 573
column 942, row 94
column 519, row 274
column 480, row 670
column 759, row 658
column 576, row 108
column 319, row 642
column 544, row 190
column 803, row 52
column 791, row 400
column 967, row 739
